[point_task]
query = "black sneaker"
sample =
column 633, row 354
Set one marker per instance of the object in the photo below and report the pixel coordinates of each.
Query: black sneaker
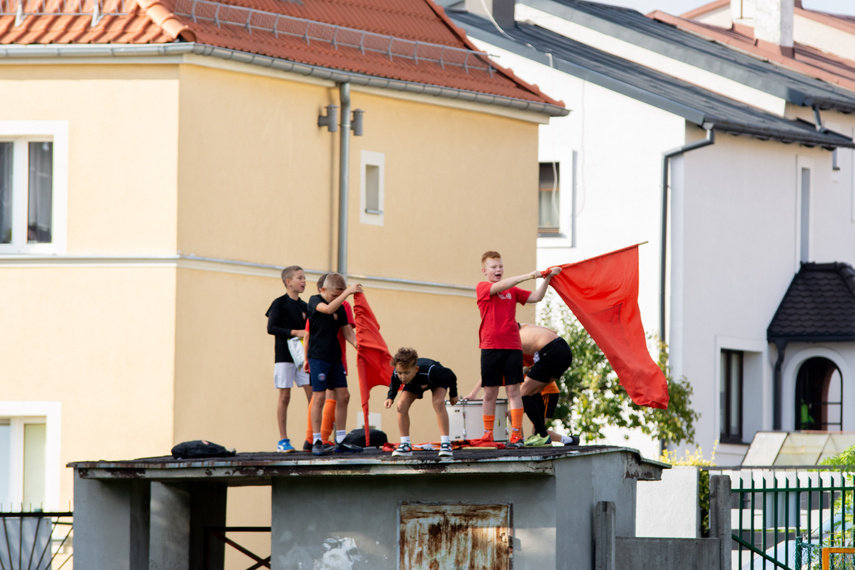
column 574, row 440
column 307, row 445
column 404, row 450
column 344, row 447
column 318, row 448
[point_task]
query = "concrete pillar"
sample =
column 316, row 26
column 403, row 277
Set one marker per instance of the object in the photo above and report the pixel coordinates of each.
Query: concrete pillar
column 720, row 523
column 170, row 526
column 111, row 523
column 604, row 536
column 207, row 510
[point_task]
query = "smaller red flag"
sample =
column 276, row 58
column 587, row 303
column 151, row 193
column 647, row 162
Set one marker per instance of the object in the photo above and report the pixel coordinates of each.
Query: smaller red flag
column 603, row 294
column 373, row 360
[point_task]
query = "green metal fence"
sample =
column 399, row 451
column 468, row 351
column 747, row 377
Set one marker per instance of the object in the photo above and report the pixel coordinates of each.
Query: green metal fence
column 782, row 516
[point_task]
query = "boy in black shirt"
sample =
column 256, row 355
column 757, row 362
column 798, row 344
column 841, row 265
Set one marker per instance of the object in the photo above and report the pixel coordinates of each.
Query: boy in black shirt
column 286, row 318
column 326, row 317
column 419, row 375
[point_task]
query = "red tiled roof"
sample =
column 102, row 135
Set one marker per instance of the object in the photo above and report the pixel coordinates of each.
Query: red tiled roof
column 411, row 41
column 805, row 59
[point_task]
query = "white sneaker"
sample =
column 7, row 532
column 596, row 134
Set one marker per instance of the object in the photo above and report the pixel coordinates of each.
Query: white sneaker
column 445, row 450
column 404, row 450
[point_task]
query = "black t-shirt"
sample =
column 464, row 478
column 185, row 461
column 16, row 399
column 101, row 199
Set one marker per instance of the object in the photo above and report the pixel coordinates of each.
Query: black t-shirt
column 323, row 331
column 284, row 316
column 431, row 375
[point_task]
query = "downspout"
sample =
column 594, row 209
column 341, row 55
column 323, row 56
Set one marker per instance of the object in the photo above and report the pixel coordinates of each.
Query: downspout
column 666, row 159
column 776, row 386
column 343, row 174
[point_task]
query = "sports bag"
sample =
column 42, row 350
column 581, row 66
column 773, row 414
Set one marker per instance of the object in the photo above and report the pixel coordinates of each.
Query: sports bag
column 199, row 449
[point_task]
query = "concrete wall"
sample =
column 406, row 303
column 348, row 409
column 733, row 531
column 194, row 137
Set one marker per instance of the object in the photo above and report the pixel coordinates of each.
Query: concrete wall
column 669, row 507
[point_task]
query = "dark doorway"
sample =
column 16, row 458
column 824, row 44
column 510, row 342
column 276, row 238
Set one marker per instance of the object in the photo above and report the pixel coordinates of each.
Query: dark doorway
column 819, row 396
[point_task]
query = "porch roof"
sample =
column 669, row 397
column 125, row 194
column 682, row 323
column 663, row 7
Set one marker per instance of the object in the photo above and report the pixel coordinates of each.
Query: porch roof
column 819, row 306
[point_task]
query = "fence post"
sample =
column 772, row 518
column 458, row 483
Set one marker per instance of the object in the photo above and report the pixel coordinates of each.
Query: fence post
column 720, row 524
column 604, row 536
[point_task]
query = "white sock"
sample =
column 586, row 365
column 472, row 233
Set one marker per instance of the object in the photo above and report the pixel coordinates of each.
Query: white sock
column 445, row 439
column 405, row 439
column 316, row 436
column 565, row 439
column 340, row 434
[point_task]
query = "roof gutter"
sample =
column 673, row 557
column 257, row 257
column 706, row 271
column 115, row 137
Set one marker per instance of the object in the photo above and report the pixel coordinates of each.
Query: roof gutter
column 666, row 159
column 182, row 48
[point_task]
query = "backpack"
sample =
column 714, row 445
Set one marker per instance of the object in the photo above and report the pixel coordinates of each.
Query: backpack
column 376, row 437
column 200, row 449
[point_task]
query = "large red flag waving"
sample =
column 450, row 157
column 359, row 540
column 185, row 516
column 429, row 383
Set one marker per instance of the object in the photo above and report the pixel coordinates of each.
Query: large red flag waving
column 603, row 294
column 372, row 355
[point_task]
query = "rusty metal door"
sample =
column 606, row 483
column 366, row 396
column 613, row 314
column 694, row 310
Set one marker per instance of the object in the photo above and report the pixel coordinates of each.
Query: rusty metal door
column 455, row 536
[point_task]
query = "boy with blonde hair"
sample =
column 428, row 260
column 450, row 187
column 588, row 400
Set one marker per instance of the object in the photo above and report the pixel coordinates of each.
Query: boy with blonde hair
column 499, row 338
column 286, row 318
column 326, row 317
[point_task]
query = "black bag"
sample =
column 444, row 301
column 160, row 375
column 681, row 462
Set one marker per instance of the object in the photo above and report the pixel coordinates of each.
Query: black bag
column 200, row 449
column 376, row 437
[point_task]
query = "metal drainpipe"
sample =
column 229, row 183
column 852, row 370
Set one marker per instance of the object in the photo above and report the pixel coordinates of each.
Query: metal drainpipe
column 776, row 386
column 343, row 172
column 666, row 158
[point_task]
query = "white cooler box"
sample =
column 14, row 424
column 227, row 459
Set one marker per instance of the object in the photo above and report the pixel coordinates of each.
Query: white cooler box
column 465, row 420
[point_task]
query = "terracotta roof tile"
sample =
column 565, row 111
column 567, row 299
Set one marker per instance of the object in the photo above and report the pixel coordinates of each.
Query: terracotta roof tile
column 805, row 59
column 426, row 48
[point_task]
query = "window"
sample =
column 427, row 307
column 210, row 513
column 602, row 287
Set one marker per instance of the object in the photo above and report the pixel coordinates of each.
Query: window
column 29, row 456
column 819, row 396
column 33, row 166
column 371, row 188
column 548, row 200
column 730, row 391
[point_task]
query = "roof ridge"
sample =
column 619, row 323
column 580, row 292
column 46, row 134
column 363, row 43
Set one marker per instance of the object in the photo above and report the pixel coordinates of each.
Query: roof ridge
column 163, row 17
column 461, row 34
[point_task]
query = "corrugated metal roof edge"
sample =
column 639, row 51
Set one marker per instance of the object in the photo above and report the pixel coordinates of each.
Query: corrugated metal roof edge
column 117, row 50
column 695, row 116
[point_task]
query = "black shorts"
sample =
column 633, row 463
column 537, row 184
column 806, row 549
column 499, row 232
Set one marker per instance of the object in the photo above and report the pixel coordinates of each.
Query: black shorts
column 551, row 361
column 443, row 379
column 549, row 403
column 501, row 364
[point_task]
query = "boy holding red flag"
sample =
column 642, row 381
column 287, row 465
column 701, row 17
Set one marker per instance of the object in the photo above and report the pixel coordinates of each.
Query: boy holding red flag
column 499, row 339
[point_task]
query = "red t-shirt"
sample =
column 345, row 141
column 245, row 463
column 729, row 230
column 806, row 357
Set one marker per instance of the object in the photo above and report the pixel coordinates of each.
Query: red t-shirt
column 499, row 316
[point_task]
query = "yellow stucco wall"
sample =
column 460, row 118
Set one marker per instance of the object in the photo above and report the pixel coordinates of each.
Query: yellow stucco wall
column 122, row 124
column 187, row 160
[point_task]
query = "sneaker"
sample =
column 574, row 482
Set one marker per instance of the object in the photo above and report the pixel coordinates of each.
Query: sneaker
column 404, row 450
column 515, row 442
column 328, row 446
column 538, row 441
column 574, row 440
column 318, row 448
column 285, row 446
column 344, row 447
column 445, row 450
column 307, row 445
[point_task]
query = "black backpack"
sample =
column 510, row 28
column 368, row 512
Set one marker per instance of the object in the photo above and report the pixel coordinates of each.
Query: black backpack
column 200, row 449
column 376, row 437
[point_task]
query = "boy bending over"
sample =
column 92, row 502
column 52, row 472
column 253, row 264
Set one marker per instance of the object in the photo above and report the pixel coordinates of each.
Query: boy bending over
column 419, row 375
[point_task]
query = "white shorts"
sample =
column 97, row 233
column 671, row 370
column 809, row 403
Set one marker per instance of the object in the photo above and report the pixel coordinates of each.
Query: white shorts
column 286, row 375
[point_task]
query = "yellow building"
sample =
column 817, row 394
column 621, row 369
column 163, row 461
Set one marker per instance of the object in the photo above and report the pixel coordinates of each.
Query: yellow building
column 160, row 162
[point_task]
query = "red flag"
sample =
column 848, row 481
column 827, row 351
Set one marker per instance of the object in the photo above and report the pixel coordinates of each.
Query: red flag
column 603, row 294
column 372, row 355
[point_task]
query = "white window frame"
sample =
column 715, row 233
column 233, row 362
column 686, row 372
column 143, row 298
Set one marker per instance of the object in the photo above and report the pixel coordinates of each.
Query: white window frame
column 21, row 133
column 19, row 414
column 377, row 160
column 803, row 163
column 567, row 205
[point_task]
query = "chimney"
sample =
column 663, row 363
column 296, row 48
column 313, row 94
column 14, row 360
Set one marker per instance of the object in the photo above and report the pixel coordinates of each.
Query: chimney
column 772, row 21
column 502, row 11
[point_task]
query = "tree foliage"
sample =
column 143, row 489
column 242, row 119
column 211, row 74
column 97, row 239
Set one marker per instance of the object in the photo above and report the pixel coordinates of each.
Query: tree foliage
column 592, row 397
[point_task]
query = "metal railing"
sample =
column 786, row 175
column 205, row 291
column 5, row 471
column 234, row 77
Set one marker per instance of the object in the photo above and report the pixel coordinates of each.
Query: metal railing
column 35, row 540
column 218, row 534
column 310, row 31
column 773, row 508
